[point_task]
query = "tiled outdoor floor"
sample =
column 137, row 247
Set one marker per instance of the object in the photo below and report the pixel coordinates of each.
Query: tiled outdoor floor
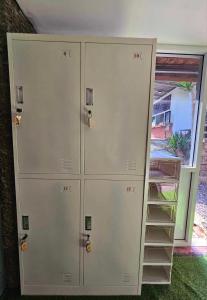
column 201, row 211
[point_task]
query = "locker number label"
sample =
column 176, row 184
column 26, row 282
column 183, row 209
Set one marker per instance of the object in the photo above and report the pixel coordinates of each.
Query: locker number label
column 137, row 55
column 66, row 188
column 130, row 189
column 67, row 53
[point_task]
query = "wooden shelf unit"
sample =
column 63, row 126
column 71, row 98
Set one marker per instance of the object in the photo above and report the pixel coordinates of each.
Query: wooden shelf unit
column 160, row 220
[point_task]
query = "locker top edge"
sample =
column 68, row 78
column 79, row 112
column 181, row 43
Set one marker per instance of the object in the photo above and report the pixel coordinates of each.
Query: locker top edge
column 83, row 39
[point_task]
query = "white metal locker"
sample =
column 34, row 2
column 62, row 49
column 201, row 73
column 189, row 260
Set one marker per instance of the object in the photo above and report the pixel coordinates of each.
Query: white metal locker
column 49, row 133
column 115, row 208
column 119, row 78
column 53, row 209
column 79, row 151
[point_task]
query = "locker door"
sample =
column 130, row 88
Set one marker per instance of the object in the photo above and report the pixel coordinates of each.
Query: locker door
column 117, row 82
column 47, row 80
column 53, row 208
column 115, row 208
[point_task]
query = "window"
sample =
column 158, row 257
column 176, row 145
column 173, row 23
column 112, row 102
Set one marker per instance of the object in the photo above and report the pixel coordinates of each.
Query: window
column 167, row 117
column 162, row 104
column 160, row 119
column 175, row 106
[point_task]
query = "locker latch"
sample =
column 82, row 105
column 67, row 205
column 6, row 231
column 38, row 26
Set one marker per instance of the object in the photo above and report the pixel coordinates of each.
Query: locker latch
column 25, row 222
column 88, row 223
column 19, row 94
column 89, row 96
column 23, row 243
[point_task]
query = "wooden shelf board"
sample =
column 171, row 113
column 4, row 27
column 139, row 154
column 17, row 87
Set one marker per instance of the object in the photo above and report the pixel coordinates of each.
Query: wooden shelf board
column 161, row 202
column 157, row 264
column 155, row 282
column 163, row 180
column 170, row 244
column 168, row 224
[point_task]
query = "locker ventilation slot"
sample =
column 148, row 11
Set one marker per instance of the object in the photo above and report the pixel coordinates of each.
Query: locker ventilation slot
column 66, row 164
column 126, row 278
column 131, row 165
column 67, row 277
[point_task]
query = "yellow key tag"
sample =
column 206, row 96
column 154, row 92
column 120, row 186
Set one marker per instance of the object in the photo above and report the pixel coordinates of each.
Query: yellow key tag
column 24, row 246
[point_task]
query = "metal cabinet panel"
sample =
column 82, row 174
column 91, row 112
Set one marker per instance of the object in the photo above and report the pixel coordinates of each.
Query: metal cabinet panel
column 117, row 82
column 53, row 208
column 47, row 78
column 115, row 208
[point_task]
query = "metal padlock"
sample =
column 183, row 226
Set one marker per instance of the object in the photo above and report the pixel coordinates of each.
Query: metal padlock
column 23, row 243
column 24, row 246
column 91, row 122
column 88, row 247
column 88, row 244
column 18, row 120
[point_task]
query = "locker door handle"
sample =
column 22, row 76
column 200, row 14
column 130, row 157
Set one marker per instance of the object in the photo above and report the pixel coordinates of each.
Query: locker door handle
column 89, row 96
column 88, row 223
column 19, row 94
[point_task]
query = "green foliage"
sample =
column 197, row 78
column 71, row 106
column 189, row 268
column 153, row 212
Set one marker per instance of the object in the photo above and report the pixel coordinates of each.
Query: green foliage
column 188, row 86
column 173, row 142
column 180, row 144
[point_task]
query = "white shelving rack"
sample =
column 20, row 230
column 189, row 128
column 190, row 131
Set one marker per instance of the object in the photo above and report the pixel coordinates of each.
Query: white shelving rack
column 160, row 220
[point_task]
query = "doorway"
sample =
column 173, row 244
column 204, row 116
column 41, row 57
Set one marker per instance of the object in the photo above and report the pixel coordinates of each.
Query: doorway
column 174, row 121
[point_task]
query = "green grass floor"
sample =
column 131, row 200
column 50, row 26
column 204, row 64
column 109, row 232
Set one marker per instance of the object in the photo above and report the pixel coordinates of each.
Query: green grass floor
column 189, row 282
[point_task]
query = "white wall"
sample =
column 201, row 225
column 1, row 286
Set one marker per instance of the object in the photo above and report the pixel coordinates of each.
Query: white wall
column 177, row 21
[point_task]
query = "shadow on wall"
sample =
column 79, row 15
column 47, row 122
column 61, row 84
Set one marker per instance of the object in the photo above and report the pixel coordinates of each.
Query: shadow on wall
column 12, row 20
column 81, row 17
